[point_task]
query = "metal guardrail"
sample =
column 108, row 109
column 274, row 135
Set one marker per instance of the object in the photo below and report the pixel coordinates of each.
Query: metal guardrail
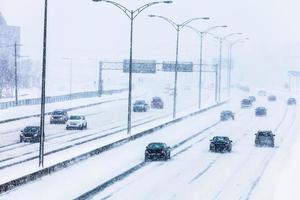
column 59, row 166
column 54, row 99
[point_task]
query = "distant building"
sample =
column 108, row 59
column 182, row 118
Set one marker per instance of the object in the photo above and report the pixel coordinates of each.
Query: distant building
column 9, row 35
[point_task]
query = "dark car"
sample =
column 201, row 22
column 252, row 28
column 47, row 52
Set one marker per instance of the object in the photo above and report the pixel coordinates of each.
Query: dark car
column 252, row 98
column 30, row 134
column 226, row 115
column 157, row 151
column 246, row 103
column 140, row 106
column 59, row 117
column 260, row 111
column 262, row 93
column 264, row 138
column 291, row 101
column 157, row 103
column 220, row 144
column 272, row 98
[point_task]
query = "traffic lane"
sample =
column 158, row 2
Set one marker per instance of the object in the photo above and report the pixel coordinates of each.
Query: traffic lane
column 185, row 171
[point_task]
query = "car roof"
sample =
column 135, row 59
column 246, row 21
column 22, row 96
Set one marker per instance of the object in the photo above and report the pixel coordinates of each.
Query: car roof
column 260, row 107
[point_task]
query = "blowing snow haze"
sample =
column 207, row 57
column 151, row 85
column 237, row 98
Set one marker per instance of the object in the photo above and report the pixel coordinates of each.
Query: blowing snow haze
column 85, row 29
column 149, row 100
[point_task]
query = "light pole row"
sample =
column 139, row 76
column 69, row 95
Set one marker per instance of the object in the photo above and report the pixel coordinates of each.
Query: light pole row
column 131, row 14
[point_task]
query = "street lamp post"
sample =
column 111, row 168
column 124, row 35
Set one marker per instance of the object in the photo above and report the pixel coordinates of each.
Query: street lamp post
column 220, row 63
column 230, row 62
column 131, row 14
column 201, row 34
column 177, row 27
column 42, row 117
column 16, row 74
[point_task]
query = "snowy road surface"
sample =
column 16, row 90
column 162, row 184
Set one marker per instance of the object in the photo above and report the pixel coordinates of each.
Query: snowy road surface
column 193, row 172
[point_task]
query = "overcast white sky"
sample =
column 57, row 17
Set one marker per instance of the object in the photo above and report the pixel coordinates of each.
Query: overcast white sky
column 83, row 29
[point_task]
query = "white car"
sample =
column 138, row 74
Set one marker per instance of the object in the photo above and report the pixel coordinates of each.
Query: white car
column 76, row 122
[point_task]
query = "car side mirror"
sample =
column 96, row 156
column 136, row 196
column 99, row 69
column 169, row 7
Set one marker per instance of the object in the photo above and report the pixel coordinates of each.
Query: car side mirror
column 273, row 135
column 230, row 140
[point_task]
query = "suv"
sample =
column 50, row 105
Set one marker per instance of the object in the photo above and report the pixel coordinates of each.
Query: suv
column 226, row 115
column 264, row 138
column 252, row 98
column 220, row 144
column 246, row 103
column 76, row 122
column 157, row 150
column 30, row 134
column 157, row 103
column 260, row 111
column 272, row 98
column 291, row 101
column 140, row 106
column 59, row 117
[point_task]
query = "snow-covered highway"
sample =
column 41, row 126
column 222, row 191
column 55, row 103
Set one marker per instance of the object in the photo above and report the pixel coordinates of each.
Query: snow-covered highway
column 196, row 171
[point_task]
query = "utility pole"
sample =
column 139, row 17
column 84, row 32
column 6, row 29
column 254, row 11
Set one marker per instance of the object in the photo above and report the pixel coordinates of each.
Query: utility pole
column 100, row 81
column 42, row 118
column 16, row 75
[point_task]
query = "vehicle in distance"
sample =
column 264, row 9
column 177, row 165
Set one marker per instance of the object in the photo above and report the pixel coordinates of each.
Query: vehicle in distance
column 262, row 93
column 157, row 151
column 140, row 106
column 30, row 134
column 252, row 98
column 157, row 103
column 260, row 111
column 264, row 138
column 220, row 144
column 59, row 117
column 226, row 115
column 272, row 98
column 246, row 103
column 291, row 101
column 76, row 122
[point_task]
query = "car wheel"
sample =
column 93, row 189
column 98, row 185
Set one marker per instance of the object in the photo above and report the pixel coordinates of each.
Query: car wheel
column 85, row 126
column 67, row 128
column 21, row 140
column 81, row 127
column 146, row 159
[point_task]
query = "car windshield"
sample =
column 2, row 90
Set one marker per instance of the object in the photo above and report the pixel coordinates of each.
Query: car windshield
column 264, row 134
column 246, row 101
column 58, row 112
column 156, row 99
column 220, row 139
column 156, row 146
column 31, row 129
column 140, row 102
column 75, row 117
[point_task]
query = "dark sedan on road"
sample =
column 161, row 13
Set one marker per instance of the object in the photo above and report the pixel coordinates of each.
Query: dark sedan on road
column 220, row 144
column 291, row 101
column 157, row 103
column 157, row 151
column 140, row 106
column 246, row 103
column 30, row 134
column 59, row 117
column 272, row 98
column 264, row 138
column 226, row 115
column 260, row 111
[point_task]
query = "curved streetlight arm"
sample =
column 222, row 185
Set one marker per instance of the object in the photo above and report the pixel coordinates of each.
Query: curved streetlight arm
column 212, row 28
column 191, row 20
column 140, row 9
column 214, row 36
column 123, row 8
column 199, row 33
column 176, row 26
column 238, row 40
column 229, row 35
